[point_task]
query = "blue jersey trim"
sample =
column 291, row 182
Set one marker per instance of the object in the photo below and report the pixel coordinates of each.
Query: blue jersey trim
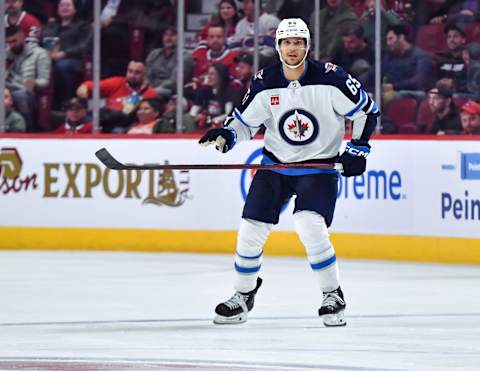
column 363, row 98
column 247, row 270
column 325, row 263
column 296, row 172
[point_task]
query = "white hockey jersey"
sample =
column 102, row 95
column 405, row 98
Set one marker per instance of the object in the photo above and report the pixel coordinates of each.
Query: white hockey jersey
column 304, row 119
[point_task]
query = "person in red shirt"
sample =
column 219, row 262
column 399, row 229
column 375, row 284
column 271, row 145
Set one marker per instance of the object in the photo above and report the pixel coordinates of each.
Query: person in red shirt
column 15, row 15
column 122, row 95
column 77, row 121
column 470, row 118
column 214, row 52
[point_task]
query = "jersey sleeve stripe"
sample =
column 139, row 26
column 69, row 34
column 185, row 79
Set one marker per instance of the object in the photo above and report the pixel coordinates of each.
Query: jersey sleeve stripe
column 363, row 98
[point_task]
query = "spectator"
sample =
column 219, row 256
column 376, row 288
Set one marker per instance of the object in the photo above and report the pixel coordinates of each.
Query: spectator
column 213, row 101
column 28, row 68
column 470, row 118
column 471, row 57
column 244, row 73
column 215, row 52
column 77, row 121
column 296, row 9
column 367, row 19
column 267, row 25
column 147, row 115
column 161, row 65
column 441, row 104
column 227, row 17
column 355, row 55
column 406, row 69
column 14, row 122
column 333, row 20
column 122, row 94
column 450, row 64
column 70, row 36
column 167, row 122
column 16, row 16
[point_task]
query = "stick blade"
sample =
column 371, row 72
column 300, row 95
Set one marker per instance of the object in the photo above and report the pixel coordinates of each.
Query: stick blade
column 108, row 160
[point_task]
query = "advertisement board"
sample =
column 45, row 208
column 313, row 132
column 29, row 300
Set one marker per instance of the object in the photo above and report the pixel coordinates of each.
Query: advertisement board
column 422, row 188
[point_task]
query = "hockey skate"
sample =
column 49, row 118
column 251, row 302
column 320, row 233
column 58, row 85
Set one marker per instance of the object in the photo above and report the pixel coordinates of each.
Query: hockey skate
column 333, row 306
column 235, row 310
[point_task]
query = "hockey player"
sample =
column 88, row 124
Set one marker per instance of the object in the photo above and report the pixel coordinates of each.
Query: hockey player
column 302, row 105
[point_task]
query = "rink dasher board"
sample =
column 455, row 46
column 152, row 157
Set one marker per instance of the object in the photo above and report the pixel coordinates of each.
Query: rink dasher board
column 416, row 194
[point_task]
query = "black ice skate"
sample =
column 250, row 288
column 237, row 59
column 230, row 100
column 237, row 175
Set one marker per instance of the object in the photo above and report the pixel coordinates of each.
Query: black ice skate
column 235, row 310
column 333, row 306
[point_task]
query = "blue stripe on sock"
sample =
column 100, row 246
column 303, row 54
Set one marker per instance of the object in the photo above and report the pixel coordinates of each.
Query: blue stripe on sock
column 246, row 270
column 324, row 264
column 250, row 257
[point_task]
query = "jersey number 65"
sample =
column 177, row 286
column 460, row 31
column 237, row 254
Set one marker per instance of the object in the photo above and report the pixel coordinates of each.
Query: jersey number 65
column 353, row 84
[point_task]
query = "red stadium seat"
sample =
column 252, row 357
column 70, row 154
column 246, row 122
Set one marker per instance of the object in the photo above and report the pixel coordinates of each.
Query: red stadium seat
column 431, row 38
column 425, row 117
column 409, row 128
column 472, row 32
column 402, row 111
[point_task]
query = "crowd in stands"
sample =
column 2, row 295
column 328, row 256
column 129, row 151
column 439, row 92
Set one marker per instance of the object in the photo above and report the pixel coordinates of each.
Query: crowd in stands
column 430, row 78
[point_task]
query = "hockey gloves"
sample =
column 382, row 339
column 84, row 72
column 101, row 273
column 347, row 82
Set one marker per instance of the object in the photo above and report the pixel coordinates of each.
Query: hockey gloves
column 354, row 158
column 224, row 139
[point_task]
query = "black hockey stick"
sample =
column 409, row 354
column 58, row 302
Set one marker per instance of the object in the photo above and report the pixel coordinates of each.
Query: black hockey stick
column 112, row 163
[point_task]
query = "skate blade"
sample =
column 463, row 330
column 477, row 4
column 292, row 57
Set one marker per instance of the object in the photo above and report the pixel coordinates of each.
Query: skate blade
column 234, row 320
column 334, row 320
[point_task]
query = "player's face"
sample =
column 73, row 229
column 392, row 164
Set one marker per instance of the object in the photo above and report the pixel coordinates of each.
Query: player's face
column 293, row 50
column 455, row 40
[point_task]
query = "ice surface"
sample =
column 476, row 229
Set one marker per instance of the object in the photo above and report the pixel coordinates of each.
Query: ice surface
column 116, row 311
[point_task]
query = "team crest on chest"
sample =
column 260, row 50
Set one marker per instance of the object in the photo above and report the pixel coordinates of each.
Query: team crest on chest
column 298, row 127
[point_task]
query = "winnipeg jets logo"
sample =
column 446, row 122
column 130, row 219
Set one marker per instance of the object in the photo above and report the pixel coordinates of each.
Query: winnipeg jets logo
column 298, row 127
column 330, row 67
column 258, row 75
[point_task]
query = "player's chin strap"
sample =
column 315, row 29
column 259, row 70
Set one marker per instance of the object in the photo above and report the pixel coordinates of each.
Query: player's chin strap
column 295, row 66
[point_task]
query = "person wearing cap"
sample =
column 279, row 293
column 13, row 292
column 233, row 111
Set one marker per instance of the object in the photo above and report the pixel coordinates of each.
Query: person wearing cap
column 470, row 118
column 450, row 63
column 77, row 121
column 243, row 74
column 441, row 105
column 302, row 105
